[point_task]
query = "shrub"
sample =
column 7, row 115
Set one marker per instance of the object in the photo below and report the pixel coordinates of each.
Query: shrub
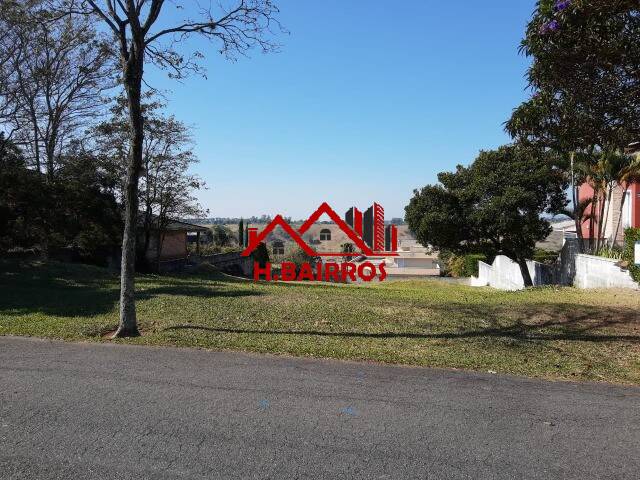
column 205, row 249
column 466, row 265
column 613, row 252
column 261, row 254
column 347, row 248
column 545, row 256
column 455, row 266
column 221, row 236
column 444, row 260
column 631, row 236
column 471, row 264
column 299, row 256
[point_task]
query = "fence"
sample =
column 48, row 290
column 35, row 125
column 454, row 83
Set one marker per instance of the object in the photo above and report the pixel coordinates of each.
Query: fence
column 505, row 274
column 599, row 272
column 232, row 263
column 571, row 268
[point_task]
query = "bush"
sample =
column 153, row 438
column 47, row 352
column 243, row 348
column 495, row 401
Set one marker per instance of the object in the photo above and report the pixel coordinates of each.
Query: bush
column 221, row 236
column 347, row 248
column 299, row 256
column 631, row 236
column 545, row 256
column 471, row 264
column 613, row 252
column 466, row 265
column 444, row 260
column 455, row 266
column 261, row 254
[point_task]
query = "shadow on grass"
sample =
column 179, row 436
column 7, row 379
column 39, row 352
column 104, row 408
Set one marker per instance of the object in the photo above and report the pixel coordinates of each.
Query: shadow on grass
column 83, row 291
column 507, row 332
column 557, row 322
column 197, row 291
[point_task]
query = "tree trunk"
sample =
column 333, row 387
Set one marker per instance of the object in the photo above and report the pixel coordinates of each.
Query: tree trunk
column 605, row 209
column 579, row 234
column 577, row 214
column 592, row 219
column 620, row 215
column 159, row 250
column 133, row 85
column 148, row 221
column 603, row 206
column 50, row 153
column 36, row 148
column 526, row 276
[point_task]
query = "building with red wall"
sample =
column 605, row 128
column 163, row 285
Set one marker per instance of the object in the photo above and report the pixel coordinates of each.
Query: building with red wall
column 618, row 215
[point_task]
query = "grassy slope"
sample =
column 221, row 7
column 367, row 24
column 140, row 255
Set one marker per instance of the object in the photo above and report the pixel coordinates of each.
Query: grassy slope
column 553, row 333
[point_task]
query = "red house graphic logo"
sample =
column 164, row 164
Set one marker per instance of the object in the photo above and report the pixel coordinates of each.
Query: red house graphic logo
column 367, row 232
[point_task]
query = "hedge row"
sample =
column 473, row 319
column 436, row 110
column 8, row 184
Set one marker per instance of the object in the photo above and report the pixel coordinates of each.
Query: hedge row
column 631, row 236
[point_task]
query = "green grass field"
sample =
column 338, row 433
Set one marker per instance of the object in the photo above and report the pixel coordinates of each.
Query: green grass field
column 559, row 333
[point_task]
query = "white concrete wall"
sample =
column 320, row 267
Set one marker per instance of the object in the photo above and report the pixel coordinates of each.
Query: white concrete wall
column 588, row 271
column 599, row 272
column 505, row 274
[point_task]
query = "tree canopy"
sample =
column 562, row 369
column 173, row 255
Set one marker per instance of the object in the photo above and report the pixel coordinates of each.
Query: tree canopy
column 585, row 77
column 494, row 206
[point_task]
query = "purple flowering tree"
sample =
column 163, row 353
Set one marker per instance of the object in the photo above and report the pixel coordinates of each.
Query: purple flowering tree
column 585, row 73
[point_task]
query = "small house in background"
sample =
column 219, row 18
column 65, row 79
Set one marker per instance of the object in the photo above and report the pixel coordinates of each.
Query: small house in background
column 412, row 260
column 172, row 242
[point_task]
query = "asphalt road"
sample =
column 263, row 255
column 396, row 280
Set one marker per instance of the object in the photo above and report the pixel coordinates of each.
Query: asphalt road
column 116, row 412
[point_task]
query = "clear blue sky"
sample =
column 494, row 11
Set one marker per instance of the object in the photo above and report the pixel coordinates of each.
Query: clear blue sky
column 365, row 102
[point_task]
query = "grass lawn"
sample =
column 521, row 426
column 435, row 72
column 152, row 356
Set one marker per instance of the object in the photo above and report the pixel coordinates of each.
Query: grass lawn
column 560, row 333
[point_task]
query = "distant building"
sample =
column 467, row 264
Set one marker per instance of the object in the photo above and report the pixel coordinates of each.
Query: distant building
column 325, row 235
column 412, row 260
column 353, row 218
column 373, row 227
column 390, row 238
column 170, row 242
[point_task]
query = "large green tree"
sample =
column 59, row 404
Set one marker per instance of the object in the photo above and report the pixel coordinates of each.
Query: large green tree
column 586, row 55
column 494, row 206
column 77, row 208
column 585, row 74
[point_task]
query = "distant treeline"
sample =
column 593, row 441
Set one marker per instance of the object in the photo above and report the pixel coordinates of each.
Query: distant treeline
column 236, row 220
column 264, row 219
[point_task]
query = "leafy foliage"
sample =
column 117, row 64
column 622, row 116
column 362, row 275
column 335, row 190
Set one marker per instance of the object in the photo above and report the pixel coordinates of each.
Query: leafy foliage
column 545, row 256
column 261, row 254
column 462, row 266
column 347, row 248
column 631, row 236
column 298, row 256
column 609, row 251
column 492, row 207
column 76, row 209
column 221, row 236
column 586, row 59
column 586, row 102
